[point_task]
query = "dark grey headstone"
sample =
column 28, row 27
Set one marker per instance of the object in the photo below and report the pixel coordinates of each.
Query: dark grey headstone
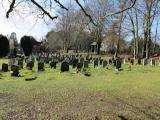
column 139, row 61
column 101, row 61
column 30, row 65
column 105, row 63
column 75, row 62
column 53, row 64
column 86, row 64
column 5, row 67
column 153, row 62
column 64, row 67
column 20, row 64
column 15, row 70
column 95, row 63
column 110, row 61
column 132, row 61
column 145, row 62
column 40, row 66
column 114, row 63
column 81, row 60
column 118, row 64
column 79, row 67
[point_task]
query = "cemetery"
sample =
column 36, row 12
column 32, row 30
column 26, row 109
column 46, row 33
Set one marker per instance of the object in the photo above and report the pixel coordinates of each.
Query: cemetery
column 99, row 60
column 33, row 89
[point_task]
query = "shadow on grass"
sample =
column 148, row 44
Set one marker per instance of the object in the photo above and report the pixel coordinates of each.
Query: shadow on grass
column 122, row 117
column 150, row 115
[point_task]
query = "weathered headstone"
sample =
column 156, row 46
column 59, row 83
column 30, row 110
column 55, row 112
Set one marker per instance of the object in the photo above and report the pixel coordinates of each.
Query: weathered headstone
column 101, row 61
column 30, row 65
column 132, row 61
column 152, row 62
column 145, row 62
column 12, row 61
column 86, row 64
column 129, row 59
column 47, row 60
column 139, row 61
column 53, row 64
column 20, row 63
column 95, row 63
column 64, row 67
column 5, row 67
column 79, row 67
column 15, row 70
column 40, row 66
column 114, row 63
column 81, row 60
column 118, row 64
column 75, row 62
column 124, row 61
column 110, row 61
column 105, row 63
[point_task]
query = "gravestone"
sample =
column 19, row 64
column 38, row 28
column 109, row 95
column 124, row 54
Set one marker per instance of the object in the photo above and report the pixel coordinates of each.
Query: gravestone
column 30, row 65
column 105, row 63
column 81, row 60
column 88, row 58
column 4, row 67
column 75, row 62
column 139, row 61
column 129, row 59
column 47, row 60
column 95, row 63
column 15, row 70
column 124, row 61
column 110, row 61
column 12, row 61
column 67, row 59
column 64, row 66
column 53, row 64
column 101, row 61
column 79, row 67
column 118, row 64
column 145, row 62
column 132, row 61
column 40, row 66
column 114, row 62
column 86, row 64
column 152, row 62
column 20, row 63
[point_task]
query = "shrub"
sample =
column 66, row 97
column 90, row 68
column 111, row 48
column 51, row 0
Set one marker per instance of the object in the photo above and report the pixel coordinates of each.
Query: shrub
column 4, row 46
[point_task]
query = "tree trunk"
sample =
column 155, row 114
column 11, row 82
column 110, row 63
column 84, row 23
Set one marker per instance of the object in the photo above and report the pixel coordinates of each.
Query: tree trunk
column 155, row 41
column 137, row 36
column 98, row 47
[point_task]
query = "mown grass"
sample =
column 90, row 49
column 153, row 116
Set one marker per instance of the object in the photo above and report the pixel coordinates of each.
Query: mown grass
column 130, row 95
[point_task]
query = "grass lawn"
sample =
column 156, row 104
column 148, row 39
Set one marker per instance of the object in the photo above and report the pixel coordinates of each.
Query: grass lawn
column 129, row 95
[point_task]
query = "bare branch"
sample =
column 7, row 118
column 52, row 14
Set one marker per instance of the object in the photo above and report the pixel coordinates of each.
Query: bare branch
column 10, row 8
column 89, row 16
column 45, row 12
column 123, row 10
column 61, row 5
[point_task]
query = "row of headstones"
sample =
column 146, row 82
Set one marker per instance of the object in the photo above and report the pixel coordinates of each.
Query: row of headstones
column 143, row 62
column 18, row 64
column 15, row 68
column 76, row 62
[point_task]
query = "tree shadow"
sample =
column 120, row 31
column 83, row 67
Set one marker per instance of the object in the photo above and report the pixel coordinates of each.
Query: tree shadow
column 151, row 115
column 122, row 117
